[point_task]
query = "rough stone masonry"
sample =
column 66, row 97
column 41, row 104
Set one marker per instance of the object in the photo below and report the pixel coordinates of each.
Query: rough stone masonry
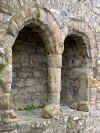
column 49, row 55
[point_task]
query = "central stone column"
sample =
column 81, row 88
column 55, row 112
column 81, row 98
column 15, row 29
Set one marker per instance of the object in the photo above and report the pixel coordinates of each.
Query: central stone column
column 54, row 86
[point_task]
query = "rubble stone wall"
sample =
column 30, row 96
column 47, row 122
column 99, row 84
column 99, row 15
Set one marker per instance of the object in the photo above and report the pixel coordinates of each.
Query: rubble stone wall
column 75, row 66
column 56, row 19
column 29, row 80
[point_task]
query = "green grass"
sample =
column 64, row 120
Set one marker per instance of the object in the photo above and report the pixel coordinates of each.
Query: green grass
column 30, row 107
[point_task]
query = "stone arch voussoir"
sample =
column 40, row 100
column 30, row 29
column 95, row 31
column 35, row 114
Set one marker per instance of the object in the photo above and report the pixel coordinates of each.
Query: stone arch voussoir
column 52, row 36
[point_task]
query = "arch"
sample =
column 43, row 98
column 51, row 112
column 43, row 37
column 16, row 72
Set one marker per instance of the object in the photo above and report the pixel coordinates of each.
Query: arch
column 79, row 27
column 39, row 17
column 50, row 32
column 29, row 65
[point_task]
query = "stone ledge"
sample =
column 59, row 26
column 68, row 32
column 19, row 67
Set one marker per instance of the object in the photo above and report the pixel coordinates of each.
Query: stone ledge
column 73, row 122
column 31, row 121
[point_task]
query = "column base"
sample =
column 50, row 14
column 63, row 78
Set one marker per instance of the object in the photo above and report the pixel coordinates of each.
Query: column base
column 83, row 106
column 52, row 111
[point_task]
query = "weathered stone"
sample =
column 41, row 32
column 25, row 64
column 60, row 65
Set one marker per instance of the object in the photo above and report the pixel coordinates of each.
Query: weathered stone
column 54, row 86
column 52, row 111
column 29, row 14
column 55, row 61
column 97, row 105
column 48, row 18
column 90, row 81
column 54, row 97
column 20, row 18
column 13, row 28
column 83, row 106
column 8, row 116
column 5, row 101
column 54, row 75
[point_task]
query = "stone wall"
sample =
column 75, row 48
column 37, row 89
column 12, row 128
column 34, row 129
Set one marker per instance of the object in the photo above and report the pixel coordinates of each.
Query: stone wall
column 56, row 19
column 29, row 85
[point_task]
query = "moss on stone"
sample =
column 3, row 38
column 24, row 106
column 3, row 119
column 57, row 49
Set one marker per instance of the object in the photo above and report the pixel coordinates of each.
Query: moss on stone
column 30, row 107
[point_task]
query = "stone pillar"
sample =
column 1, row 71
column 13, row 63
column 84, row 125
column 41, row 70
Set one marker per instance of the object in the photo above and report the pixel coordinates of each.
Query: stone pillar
column 98, row 67
column 83, row 94
column 98, row 78
column 6, row 110
column 89, row 103
column 54, row 86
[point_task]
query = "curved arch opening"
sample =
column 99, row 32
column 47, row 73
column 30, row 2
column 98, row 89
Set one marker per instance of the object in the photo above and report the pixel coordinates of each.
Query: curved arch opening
column 29, row 62
column 75, row 69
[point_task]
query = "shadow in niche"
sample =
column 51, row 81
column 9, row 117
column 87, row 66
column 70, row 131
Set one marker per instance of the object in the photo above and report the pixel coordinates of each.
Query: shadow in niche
column 74, row 69
column 29, row 61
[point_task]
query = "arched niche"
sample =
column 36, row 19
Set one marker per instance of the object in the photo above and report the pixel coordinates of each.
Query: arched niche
column 83, row 31
column 29, row 65
column 76, row 67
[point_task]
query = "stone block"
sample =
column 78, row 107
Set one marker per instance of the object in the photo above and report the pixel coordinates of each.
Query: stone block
column 54, row 86
column 19, row 19
column 44, row 16
column 98, row 104
column 13, row 28
column 54, row 98
column 54, row 74
column 55, row 61
column 92, row 107
column 52, row 111
column 29, row 14
column 98, row 76
column 89, row 81
column 8, row 116
column 5, row 101
column 98, row 36
column 93, row 94
column 97, row 96
column 83, row 106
